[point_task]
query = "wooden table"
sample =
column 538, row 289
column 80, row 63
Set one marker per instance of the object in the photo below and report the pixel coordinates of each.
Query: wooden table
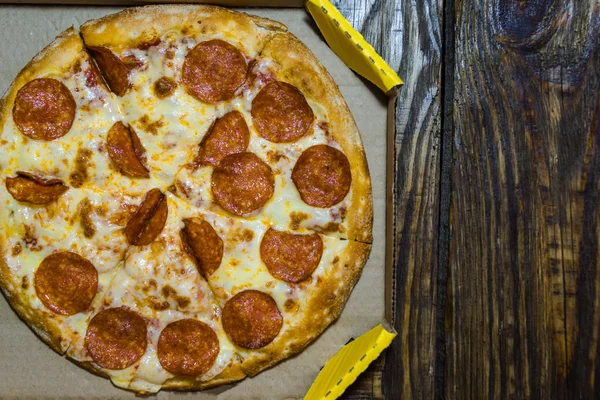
column 497, row 189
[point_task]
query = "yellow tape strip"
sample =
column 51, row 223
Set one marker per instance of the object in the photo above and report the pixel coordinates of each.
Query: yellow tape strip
column 352, row 359
column 351, row 47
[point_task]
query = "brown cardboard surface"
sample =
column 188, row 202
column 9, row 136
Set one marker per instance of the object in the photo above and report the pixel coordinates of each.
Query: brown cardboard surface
column 29, row 369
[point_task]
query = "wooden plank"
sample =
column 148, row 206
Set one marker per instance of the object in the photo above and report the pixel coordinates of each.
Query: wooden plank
column 524, row 301
column 407, row 34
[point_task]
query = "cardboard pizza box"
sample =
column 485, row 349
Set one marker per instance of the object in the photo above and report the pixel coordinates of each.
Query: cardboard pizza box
column 30, row 369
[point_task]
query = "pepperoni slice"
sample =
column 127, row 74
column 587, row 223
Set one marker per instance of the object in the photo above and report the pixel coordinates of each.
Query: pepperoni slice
column 242, row 183
column 322, row 176
column 33, row 189
column 113, row 69
column 291, row 257
column 227, row 135
column 116, row 338
column 187, row 347
column 66, row 283
column 125, row 150
column 204, row 244
column 281, row 113
column 213, row 70
column 44, row 109
column 251, row 319
column 149, row 219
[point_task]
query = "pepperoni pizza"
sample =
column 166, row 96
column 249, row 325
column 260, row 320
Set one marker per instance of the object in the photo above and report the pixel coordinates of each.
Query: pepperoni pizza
column 186, row 199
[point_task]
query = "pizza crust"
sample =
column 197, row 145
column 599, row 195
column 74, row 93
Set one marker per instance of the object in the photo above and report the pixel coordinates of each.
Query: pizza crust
column 299, row 67
column 232, row 373
column 151, row 22
column 321, row 310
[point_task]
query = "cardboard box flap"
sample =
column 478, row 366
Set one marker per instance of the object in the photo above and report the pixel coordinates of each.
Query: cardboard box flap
column 342, row 369
column 351, row 47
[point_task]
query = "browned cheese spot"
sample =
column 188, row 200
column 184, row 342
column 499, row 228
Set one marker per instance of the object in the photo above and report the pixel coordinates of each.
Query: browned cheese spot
column 183, row 301
column 79, row 175
column 85, row 219
column 168, row 291
column 296, row 218
column 164, row 87
column 290, row 306
column 17, row 248
column 156, row 304
column 151, row 126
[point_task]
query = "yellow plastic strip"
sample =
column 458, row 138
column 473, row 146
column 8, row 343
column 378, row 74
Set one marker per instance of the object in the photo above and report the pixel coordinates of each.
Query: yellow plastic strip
column 352, row 359
column 351, row 47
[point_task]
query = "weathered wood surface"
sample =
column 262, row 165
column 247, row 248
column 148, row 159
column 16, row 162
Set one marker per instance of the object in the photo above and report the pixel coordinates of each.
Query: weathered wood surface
column 408, row 36
column 524, row 300
column 522, row 109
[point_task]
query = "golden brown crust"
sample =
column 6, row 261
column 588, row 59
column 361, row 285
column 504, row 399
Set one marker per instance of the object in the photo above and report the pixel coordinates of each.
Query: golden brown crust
column 299, row 67
column 325, row 306
column 151, row 22
column 232, row 373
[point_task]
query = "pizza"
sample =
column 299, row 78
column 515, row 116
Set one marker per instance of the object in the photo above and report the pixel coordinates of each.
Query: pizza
column 185, row 199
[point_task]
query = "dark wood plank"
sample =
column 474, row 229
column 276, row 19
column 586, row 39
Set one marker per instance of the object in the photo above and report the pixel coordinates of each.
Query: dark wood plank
column 524, row 301
column 407, row 34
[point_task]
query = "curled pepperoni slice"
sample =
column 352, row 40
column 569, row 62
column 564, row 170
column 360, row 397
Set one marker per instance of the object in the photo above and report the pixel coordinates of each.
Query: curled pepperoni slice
column 251, row 319
column 227, row 135
column 322, row 176
column 291, row 257
column 242, row 183
column 116, row 338
column 213, row 70
column 187, row 347
column 149, row 219
column 203, row 243
column 280, row 113
column 66, row 283
column 33, row 189
column 126, row 150
column 44, row 109
column 114, row 70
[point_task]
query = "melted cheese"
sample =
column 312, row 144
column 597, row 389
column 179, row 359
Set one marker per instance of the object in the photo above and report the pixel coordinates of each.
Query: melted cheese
column 285, row 210
column 34, row 232
column 162, row 284
column 96, row 112
column 242, row 269
column 170, row 129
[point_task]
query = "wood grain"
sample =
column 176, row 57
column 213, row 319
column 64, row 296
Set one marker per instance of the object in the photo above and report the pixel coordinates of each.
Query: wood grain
column 407, row 35
column 524, row 303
